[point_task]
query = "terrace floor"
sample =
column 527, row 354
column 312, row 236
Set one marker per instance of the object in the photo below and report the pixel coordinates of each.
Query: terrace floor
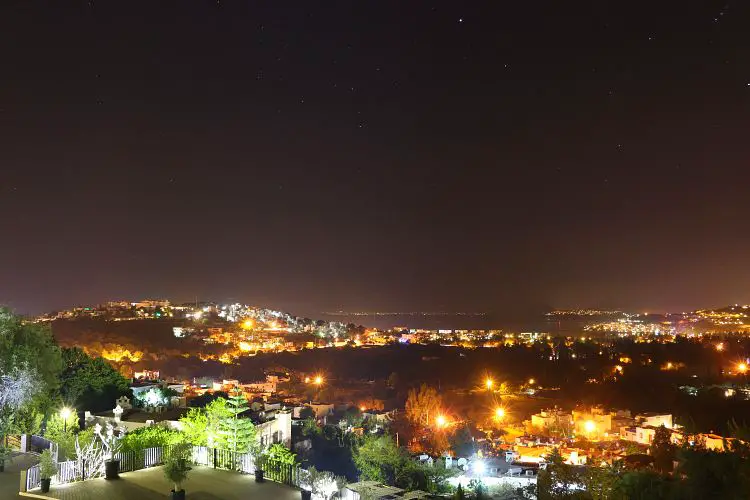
column 10, row 480
column 204, row 483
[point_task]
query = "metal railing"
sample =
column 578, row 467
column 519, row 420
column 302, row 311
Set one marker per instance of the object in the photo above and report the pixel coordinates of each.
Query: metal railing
column 289, row 474
column 66, row 473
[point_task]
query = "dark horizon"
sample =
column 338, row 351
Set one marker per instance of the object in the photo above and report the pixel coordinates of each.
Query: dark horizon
column 505, row 158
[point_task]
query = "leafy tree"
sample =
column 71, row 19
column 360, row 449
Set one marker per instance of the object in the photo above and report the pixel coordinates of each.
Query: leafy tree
column 90, row 383
column 217, row 412
column 239, row 431
column 28, row 420
column 642, row 485
column 462, row 442
column 195, row 426
column 423, row 405
column 663, row 450
column 378, row 459
column 712, row 474
column 281, row 453
column 29, row 366
column 600, row 482
column 559, row 480
column 63, row 432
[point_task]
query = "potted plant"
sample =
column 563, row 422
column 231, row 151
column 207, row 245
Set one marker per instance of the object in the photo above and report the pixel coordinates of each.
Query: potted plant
column 259, row 453
column 112, row 442
column 47, row 469
column 176, row 469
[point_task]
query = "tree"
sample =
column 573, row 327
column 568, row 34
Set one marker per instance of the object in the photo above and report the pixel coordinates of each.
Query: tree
column 600, row 482
column 462, row 442
column 90, row 383
column 423, row 405
column 663, row 450
column 642, row 485
column 378, row 459
column 280, row 453
column 194, row 426
column 712, row 474
column 559, row 480
column 459, row 495
column 239, row 431
column 62, row 430
column 29, row 366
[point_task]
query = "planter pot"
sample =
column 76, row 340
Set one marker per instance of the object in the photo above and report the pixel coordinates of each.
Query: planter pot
column 259, row 476
column 306, row 495
column 178, row 495
column 45, row 485
column 111, row 469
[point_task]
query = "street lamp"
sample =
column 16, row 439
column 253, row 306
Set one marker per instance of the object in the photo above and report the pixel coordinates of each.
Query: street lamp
column 65, row 413
column 318, row 380
column 440, row 421
column 488, row 383
column 742, row 367
column 499, row 413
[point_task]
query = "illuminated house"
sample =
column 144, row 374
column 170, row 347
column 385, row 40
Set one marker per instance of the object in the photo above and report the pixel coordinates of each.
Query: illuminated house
column 594, row 423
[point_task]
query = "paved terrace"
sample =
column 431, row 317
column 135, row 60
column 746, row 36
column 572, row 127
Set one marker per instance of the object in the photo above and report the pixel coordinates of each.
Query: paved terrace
column 10, row 480
column 204, row 483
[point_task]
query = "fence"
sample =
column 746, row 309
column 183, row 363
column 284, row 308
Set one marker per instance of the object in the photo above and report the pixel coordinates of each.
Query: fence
column 289, row 474
column 142, row 459
column 66, row 473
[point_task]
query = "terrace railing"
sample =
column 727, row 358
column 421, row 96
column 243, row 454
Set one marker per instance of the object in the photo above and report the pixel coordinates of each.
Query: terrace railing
column 274, row 470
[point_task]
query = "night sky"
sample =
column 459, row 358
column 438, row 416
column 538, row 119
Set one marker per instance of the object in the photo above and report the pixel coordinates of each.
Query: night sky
column 372, row 155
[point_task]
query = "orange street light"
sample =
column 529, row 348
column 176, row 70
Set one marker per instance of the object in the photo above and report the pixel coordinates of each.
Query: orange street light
column 318, row 380
column 589, row 426
column 532, row 381
column 720, row 346
column 742, row 367
column 440, row 421
column 499, row 413
column 488, row 383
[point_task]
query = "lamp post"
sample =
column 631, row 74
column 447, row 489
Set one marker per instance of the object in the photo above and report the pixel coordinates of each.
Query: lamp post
column 65, row 414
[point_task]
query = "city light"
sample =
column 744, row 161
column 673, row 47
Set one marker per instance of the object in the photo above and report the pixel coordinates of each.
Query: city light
column 479, row 468
column 248, row 324
column 499, row 413
column 742, row 367
column 532, row 381
column 318, row 380
column 589, row 426
column 441, row 421
column 720, row 346
column 488, row 383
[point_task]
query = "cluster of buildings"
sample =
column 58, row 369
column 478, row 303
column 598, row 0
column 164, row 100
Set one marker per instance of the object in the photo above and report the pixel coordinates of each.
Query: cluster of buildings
column 608, row 435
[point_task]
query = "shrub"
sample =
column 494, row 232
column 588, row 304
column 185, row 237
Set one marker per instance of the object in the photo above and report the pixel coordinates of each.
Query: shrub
column 150, row 437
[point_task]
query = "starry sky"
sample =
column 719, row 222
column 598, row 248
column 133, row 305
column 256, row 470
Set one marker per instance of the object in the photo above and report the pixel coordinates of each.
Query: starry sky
column 376, row 155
